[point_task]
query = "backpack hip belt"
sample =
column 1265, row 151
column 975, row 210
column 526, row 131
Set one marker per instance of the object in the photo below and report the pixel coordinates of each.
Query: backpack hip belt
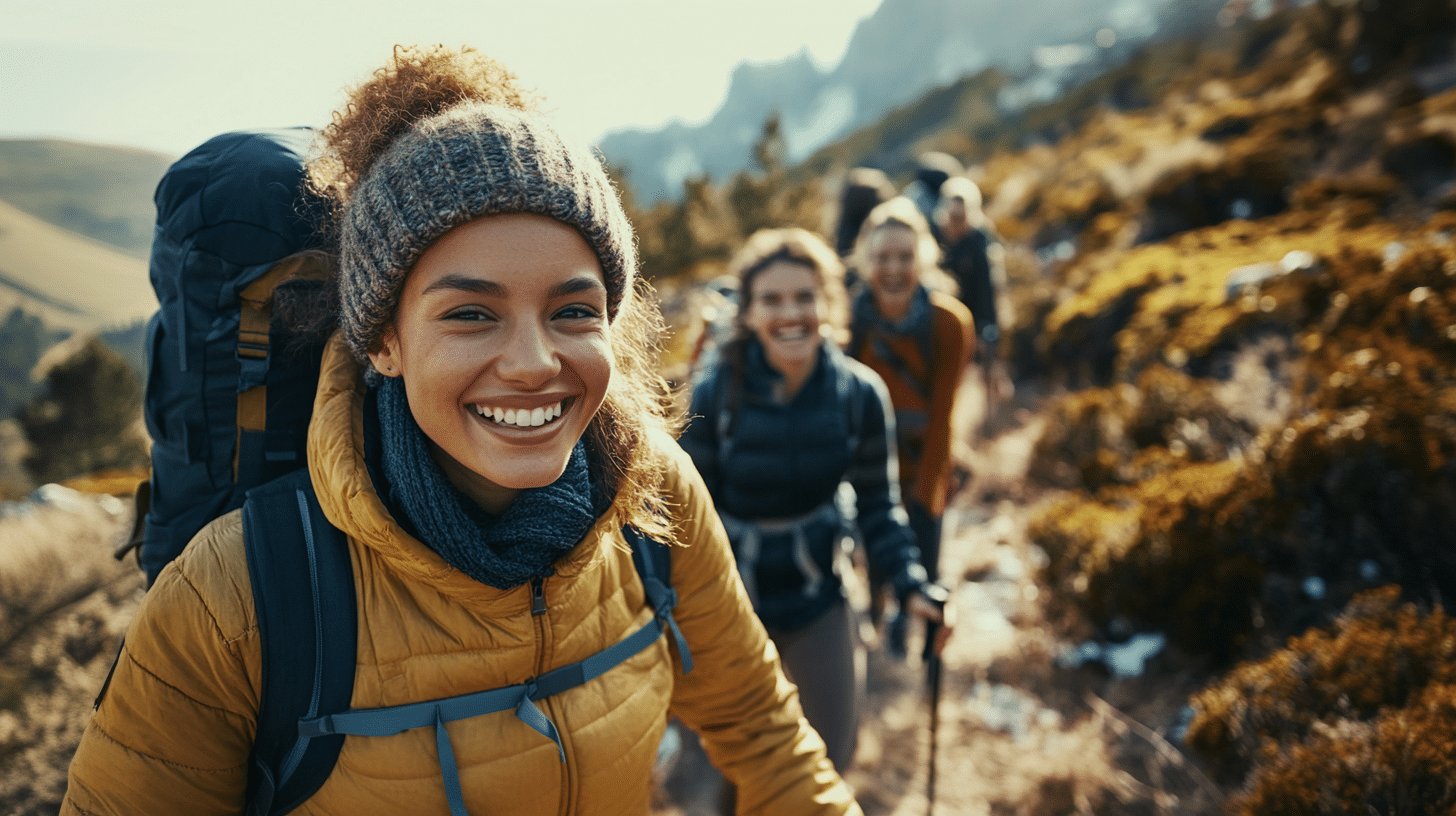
column 747, row 536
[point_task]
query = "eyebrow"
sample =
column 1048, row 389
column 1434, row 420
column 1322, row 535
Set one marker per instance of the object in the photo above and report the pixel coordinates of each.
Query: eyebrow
column 580, row 283
column 465, row 283
column 480, row 286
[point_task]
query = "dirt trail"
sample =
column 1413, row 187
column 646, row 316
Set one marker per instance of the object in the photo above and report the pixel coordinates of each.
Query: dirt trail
column 1017, row 732
column 1023, row 728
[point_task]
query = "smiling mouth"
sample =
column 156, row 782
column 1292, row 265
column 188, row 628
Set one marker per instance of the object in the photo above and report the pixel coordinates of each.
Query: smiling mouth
column 520, row 417
column 791, row 333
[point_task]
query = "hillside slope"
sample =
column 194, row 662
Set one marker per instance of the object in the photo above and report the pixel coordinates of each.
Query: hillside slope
column 70, row 281
column 101, row 191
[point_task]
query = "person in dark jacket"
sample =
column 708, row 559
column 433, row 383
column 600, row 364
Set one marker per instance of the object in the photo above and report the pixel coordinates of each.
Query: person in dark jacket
column 932, row 170
column 778, row 427
column 975, row 258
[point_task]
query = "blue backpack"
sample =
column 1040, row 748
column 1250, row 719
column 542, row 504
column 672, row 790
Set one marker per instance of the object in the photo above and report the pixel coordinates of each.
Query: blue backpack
column 230, row 390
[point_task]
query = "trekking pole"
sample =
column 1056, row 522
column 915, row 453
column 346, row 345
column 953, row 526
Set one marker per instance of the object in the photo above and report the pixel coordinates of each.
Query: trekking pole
column 937, row 595
column 933, row 671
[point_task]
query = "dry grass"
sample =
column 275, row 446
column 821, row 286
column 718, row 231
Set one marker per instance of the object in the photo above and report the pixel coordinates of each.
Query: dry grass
column 64, row 605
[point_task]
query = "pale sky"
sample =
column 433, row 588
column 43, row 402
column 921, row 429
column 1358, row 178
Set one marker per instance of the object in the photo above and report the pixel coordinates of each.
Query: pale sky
column 168, row 74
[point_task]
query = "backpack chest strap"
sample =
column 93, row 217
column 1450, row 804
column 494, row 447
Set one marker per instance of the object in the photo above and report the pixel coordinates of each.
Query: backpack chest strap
column 522, row 697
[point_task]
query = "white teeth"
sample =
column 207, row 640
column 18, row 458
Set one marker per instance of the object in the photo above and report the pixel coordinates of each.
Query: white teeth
column 521, row 417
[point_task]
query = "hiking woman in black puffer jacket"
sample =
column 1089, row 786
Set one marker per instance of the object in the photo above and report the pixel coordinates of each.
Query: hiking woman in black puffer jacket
column 784, row 420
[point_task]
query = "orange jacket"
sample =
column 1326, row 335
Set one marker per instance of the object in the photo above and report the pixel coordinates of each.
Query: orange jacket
column 173, row 732
column 925, row 454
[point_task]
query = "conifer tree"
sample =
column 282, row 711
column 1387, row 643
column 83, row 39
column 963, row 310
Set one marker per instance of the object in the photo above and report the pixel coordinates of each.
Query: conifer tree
column 85, row 418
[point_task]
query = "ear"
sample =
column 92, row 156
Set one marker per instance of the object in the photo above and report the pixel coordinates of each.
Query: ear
column 387, row 358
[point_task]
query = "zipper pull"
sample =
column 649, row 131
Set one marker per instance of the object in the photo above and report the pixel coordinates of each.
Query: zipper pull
column 538, row 596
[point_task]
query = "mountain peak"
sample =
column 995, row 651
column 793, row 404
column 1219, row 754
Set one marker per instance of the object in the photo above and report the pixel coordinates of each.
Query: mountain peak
column 902, row 50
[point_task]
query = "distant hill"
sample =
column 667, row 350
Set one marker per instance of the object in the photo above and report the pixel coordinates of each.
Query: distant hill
column 72, row 282
column 904, row 50
column 103, row 192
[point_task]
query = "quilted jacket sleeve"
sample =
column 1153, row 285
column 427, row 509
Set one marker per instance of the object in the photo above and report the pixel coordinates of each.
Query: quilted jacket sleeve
column 889, row 543
column 737, row 698
column 173, row 731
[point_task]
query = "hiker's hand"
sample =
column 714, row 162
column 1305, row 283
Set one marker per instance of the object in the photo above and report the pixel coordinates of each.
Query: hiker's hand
column 938, row 611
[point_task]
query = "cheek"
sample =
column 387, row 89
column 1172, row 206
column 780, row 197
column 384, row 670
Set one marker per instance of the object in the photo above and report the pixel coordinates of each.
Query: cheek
column 754, row 319
column 594, row 363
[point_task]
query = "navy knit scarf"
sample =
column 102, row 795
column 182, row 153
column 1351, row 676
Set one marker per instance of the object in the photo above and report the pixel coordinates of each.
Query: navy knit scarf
column 865, row 315
column 502, row 551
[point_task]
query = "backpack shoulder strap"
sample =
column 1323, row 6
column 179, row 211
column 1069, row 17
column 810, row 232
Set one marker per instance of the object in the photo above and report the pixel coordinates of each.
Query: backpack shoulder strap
column 653, row 561
column 303, row 594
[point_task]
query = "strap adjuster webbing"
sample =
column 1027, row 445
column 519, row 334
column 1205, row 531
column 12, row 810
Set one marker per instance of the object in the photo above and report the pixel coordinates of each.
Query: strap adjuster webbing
column 522, row 697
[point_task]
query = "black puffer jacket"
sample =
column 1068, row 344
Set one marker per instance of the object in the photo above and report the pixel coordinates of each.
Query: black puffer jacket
column 769, row 462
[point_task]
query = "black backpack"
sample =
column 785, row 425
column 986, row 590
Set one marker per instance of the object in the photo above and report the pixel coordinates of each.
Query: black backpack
column 229, row 395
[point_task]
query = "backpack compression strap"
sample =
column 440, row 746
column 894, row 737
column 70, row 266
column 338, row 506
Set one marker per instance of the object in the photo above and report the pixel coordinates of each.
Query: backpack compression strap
column 303, row 594
column 651, row 559
column 255, row 323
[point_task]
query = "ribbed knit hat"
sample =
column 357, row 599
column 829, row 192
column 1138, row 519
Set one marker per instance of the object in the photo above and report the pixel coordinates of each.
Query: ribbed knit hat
column 474, row 159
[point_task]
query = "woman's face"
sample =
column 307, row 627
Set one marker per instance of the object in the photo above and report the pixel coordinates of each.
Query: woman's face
column 502, row 339
column 894, row 273
column 786, row 312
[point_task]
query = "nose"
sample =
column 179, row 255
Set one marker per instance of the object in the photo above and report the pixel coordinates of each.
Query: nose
column 529, row 358
column 790, row 310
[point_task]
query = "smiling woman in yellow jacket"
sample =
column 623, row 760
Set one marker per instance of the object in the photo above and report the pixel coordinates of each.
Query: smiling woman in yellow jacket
column 484, row 427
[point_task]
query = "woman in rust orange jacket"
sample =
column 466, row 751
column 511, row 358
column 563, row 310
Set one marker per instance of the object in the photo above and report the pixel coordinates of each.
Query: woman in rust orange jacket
column 917, row 338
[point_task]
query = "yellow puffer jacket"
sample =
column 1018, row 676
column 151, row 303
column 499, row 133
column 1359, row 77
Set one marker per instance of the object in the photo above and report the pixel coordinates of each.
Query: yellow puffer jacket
column 172, row 733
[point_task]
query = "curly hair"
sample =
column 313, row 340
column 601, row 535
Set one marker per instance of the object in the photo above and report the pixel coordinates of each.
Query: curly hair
column 417, row 83
column 901, row 212
column 762, row 250
column 424, row 82
column 799, row 246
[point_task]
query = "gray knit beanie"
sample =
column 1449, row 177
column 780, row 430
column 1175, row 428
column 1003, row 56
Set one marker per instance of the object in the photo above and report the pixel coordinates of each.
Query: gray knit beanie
column 472, row 160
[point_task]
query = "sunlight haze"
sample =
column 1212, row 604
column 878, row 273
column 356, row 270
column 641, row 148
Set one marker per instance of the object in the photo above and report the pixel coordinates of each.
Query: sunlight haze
column 164, row 75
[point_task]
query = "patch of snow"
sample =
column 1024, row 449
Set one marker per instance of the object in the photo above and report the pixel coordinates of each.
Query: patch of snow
column 1061, row 56
column 1127, row 659
column 1009, row 709
column 62, row 498
column 1132, row 19
column 678, row 167
column 832, row 113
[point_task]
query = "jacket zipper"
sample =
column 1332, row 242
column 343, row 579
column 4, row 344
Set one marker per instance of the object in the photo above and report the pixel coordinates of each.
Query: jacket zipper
column 538, row 601
column 538, row 616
